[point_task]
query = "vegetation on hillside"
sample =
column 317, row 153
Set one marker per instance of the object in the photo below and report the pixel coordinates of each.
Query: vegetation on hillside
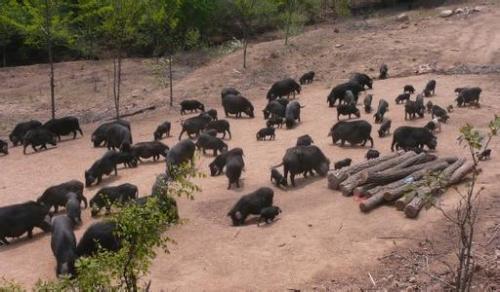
column 90, row 28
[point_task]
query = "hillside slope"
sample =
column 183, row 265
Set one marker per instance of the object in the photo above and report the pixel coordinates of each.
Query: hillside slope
column 84, row 88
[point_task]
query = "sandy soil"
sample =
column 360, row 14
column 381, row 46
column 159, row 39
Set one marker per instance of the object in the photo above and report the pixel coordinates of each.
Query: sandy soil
column 321, row 236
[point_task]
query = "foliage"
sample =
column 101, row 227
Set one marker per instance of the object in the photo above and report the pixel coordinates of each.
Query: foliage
column 38, row 31
column 91, row 28
column 10, row 286
column 341, row 7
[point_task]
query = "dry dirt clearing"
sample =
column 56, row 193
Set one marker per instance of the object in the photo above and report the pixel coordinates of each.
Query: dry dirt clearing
column 320, row 236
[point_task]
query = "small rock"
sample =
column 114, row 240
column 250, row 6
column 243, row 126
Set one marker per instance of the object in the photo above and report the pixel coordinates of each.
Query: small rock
column 403, row 17
column 459, row 10
column 336, row 30
column 274, row 55
column 477, row 9
column 446, row 13
column 339, row 45
column 282, row 245
column 403, row 26
column 412, row 280
column 310, row 225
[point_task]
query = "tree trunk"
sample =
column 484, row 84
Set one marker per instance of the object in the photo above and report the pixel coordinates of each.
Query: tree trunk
column 420, row 158
column 405, row 181
column 372, row 202
column 401, row 203
column 395, row 174
column 289, row 20
column 349, row 184
column 52, row 93
column 170, row 77
column 456, row 171
column 338, row 176
column 459, row 173
column 363, row 191
column 415, row 205
column 116, row 83
column 48, row 35
column 393, row 194
column 4, row 55
column 245, row 44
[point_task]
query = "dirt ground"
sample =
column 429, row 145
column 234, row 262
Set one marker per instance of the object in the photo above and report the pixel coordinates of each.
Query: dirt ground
column 321, row 240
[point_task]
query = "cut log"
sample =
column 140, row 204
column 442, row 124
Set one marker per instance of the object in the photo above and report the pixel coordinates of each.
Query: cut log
column 401, row 203
column 359, row 178
column 420, row 158
column 459, row 173
column 372, row 202
column 393, row 191
column 451, row 174
column 362, row 191
column 416, row 204
column 392, row 175
column 338, row 176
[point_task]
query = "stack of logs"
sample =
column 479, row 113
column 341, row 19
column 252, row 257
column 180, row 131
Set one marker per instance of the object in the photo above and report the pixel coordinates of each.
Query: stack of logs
column 399, row 178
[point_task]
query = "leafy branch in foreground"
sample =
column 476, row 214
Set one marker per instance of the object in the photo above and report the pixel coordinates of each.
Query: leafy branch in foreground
column 141, row 230
column 466, row 213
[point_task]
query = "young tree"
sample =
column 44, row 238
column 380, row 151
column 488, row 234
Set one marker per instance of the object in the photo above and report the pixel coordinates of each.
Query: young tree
column 466, row 213
column 246, row 12
column 292, row 16
column 120, row 28
column 159, row 24
column 47, row 26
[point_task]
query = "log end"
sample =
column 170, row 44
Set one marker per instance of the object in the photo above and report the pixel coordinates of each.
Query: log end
column 411, row 211
column 334, row 180
column 364, row 208
column 400, row 205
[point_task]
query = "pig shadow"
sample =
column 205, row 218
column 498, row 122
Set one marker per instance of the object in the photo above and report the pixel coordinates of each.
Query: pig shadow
column 22, row 241
column 40, row 150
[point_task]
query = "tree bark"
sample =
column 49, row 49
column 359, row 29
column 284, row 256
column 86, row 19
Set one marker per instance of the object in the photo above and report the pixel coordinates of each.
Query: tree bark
column 245, row 44
column 170, row 79
column 395, row 174
column 379, row 197
column 397, row 192
column 419, row 158
column 363, row 191
column 338, row 176
column 349, row 184
column 48, row 33
column 456, row 171
column 4, row 55
column 459, row 173
column 415, row 205
column 401, row 203
column 372, row 202
column 289, row 20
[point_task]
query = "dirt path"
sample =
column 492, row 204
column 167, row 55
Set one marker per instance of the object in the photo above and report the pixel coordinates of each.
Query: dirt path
column 320, row 235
